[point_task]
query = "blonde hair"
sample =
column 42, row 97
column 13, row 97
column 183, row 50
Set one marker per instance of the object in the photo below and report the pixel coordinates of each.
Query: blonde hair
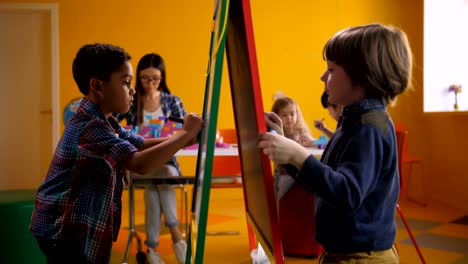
column 375, row 56
column 300, row 127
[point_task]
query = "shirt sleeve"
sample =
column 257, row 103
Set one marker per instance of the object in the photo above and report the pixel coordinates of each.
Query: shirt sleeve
column 130, row 117
column 126, row 134
column 356, row 175
column 100, row 139
column 177, row 107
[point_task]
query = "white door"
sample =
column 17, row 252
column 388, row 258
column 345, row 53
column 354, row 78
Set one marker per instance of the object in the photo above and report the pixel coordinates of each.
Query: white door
column 25, row 99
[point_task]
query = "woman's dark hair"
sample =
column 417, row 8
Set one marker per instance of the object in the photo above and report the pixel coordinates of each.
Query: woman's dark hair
column 151, row 60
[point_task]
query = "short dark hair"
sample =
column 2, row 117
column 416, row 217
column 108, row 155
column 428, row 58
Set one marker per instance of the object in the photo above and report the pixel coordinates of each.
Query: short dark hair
column 324, row 100
column 97, row 61
column 375, row 56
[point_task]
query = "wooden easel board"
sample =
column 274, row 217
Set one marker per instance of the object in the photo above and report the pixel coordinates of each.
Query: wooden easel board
column 233, row 24
column 204, row 168
column 250, row 121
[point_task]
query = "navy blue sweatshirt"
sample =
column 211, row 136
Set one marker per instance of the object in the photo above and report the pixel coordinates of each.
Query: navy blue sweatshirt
column 356, row 183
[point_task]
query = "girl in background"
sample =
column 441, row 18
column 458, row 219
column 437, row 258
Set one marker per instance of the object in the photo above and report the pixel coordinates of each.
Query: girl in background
column 335, row 112
column 152, row 100
column 295, row 128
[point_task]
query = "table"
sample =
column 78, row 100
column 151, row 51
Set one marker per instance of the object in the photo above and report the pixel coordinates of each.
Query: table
column 233, row 151
column 134, row 180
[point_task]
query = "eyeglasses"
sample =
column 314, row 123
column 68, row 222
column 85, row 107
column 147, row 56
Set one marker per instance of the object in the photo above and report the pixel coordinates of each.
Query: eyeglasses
column 148, row 79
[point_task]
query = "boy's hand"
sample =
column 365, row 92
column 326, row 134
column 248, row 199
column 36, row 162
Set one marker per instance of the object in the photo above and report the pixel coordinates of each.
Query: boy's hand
column 307, row 141
column 282, row 150
column 273, row 122
column 319, row 124
column 193, row 123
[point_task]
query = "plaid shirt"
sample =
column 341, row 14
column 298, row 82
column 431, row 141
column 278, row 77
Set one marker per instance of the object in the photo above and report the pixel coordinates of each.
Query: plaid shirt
column 80, row 199
column 171, row 105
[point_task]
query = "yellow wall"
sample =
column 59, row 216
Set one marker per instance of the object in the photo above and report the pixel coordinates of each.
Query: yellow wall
column 289, row 40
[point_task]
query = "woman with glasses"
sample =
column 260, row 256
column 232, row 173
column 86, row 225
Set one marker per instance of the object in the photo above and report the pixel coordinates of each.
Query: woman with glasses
column 151, row 101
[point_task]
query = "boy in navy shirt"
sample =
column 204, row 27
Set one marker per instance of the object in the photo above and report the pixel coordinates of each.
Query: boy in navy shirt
column 356, row 183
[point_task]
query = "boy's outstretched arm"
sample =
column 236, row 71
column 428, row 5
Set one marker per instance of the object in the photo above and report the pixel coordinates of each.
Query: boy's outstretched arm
column 321, row 126
column 155, row 153
column 328, row 132
column 149, row 142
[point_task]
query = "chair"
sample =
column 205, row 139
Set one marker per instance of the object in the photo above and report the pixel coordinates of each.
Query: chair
column 406, row 159
column 297, row 223
column 227, row 173
column 133, row 182
column 227, row 169
column 401, row 142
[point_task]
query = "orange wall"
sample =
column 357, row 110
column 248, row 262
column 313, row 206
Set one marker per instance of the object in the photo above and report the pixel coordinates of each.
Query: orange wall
column 289, row 40
column 290, row 36
column 438, row 138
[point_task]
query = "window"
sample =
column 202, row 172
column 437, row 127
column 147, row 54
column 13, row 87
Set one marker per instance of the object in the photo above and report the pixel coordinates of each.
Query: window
column 445, row 54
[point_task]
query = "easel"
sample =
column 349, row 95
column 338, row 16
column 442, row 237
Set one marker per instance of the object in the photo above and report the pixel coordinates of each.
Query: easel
column 232, row 23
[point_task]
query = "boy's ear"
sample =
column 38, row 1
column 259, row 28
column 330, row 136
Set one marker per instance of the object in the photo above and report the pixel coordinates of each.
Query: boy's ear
column 95, row 86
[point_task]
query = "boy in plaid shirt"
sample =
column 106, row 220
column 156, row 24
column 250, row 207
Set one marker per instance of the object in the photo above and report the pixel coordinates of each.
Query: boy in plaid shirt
column 78, row 206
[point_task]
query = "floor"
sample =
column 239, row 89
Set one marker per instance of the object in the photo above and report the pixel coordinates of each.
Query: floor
column 441, row 232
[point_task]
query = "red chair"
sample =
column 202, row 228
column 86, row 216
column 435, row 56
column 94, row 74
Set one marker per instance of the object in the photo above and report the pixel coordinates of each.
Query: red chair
column 227, row 169
column 297, row 223
column 401, row 143
column 227, row 173
column 407, row 161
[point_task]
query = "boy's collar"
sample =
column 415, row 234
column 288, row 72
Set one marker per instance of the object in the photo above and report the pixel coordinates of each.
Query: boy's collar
column 87, row 105
column 363, row 106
